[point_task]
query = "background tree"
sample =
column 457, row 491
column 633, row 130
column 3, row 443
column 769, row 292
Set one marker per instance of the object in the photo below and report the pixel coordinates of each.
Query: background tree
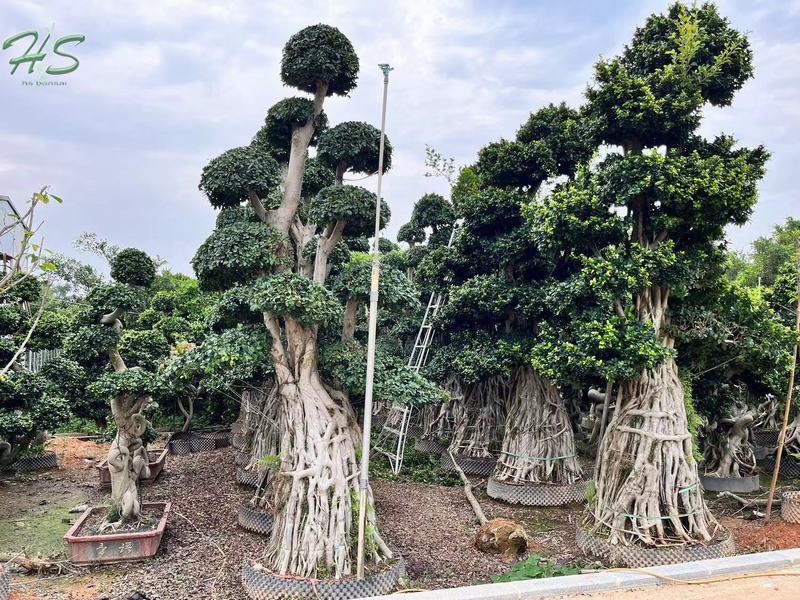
column 495, row 302
column 665, row 200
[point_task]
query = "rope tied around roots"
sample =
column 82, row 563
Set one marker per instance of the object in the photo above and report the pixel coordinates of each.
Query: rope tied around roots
column 649, row 517
column 539, row 458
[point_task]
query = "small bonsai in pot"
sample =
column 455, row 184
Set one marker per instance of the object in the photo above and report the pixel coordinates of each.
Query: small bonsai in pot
column 128, row 390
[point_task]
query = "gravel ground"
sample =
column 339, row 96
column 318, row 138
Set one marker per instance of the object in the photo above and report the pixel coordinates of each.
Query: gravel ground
column 433, row 528
column 201, row 554
column 203, row 549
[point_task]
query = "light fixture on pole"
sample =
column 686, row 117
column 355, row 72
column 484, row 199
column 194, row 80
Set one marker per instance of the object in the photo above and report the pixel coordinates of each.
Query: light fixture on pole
column 363, row 482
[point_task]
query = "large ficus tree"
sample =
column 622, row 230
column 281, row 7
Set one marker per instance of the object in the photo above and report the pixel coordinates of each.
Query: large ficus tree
column 654, row 211
column 496, row 277
column 275, row 255
column 97, row 341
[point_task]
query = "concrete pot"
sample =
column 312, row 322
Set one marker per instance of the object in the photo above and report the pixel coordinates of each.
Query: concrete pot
column 157, row 458
column 730, row 484
column 115, row 547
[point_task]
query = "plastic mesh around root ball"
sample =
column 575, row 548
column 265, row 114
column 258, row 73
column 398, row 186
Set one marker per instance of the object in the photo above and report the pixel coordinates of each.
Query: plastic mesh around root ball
column 246, row 478
column 638, row 557
column 790, row 468
column 533, row 494
column 254, row 520
column 768, row 438
column 179, row 447
column 429, row 446
column 5, row 583
column 238, row 441
column 262, row 585
column 202, row 443
column 31, row 464
column 482, row 466
column 790, row 507
column 241, row 459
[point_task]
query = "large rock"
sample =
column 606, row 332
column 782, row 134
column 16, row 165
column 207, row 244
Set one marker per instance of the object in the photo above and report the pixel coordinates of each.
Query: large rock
column 502, row 536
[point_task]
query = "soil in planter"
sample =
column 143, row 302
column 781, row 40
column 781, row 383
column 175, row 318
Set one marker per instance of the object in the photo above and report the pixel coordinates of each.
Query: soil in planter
column 148, row 522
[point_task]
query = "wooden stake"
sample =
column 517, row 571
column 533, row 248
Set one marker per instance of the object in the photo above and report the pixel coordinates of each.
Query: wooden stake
column 473, row 502
column 782, row 436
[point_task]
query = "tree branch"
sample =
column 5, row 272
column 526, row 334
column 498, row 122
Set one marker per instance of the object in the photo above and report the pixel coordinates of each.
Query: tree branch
column 258, row 207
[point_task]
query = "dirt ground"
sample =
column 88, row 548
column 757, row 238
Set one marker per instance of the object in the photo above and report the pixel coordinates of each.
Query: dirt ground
column 201, row 554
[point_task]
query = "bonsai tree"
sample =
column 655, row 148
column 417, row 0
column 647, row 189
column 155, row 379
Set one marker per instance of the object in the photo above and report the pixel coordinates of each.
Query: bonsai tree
column 496, row 302
column 277, row 254
column 98, row 337
column 653, row 211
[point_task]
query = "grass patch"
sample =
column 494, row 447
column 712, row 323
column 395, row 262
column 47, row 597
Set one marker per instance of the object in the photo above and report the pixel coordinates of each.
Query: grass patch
column 40, row 530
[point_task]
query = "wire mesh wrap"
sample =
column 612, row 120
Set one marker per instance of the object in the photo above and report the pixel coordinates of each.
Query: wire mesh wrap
column 639, row 557
column 259, row 584
column 790, row 468
column 5, row 583
column 180, row 446
column 237, row 427
column 222, row 438
column 481, row 465
column 790, row 507
column 254, row 520
column 749, row 483
column 415, row 431
column 31, row 464
column 378, row 421
column 429, row 446
column 536, row 494
column 241, row 459
column 239, row 441
column 246, row 478
column 768, row 438
column 202, row 443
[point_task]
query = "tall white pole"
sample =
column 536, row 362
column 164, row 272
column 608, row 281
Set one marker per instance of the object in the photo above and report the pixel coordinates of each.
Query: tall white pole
column 363, row 482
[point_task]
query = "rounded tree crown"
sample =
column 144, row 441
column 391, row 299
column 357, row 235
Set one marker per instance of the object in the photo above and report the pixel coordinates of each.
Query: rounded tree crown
column 432, row 210
column 320, row 53
column 227, row 179
column 237, row 252
column 567, row 135
column 411, row 233
column 132, row 266
column 355, row 145
column 350, row 203
column 275, row 136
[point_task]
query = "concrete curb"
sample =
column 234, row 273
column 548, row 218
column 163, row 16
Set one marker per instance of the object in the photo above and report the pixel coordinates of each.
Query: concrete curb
column 614, row 580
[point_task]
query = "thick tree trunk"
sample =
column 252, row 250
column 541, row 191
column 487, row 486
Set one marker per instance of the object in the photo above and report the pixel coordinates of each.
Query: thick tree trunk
column 478, row 417
column 647, row 488
column 127, row 458
column 316, row 488
column 538, row 444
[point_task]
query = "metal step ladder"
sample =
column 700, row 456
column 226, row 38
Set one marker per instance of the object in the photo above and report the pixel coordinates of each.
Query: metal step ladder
column 394, row 434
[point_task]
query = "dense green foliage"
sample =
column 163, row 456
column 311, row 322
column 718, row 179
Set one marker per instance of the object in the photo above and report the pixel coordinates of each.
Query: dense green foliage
column 320, row 53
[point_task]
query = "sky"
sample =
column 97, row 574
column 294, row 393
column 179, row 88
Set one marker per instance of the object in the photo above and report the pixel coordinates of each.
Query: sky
column 163, row 87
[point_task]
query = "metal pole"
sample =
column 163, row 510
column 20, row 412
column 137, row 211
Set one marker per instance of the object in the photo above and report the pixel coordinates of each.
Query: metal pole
column 363, row 482
column 782, row 436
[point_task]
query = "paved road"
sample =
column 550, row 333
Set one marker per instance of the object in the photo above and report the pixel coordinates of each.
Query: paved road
column 757, row 588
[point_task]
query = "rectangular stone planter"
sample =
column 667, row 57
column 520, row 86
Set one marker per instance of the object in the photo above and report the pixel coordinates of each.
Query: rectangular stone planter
column 115, row 547
column 157, row 460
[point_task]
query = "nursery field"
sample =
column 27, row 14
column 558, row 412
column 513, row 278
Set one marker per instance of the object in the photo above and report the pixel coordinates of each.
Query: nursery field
column 430, row 525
